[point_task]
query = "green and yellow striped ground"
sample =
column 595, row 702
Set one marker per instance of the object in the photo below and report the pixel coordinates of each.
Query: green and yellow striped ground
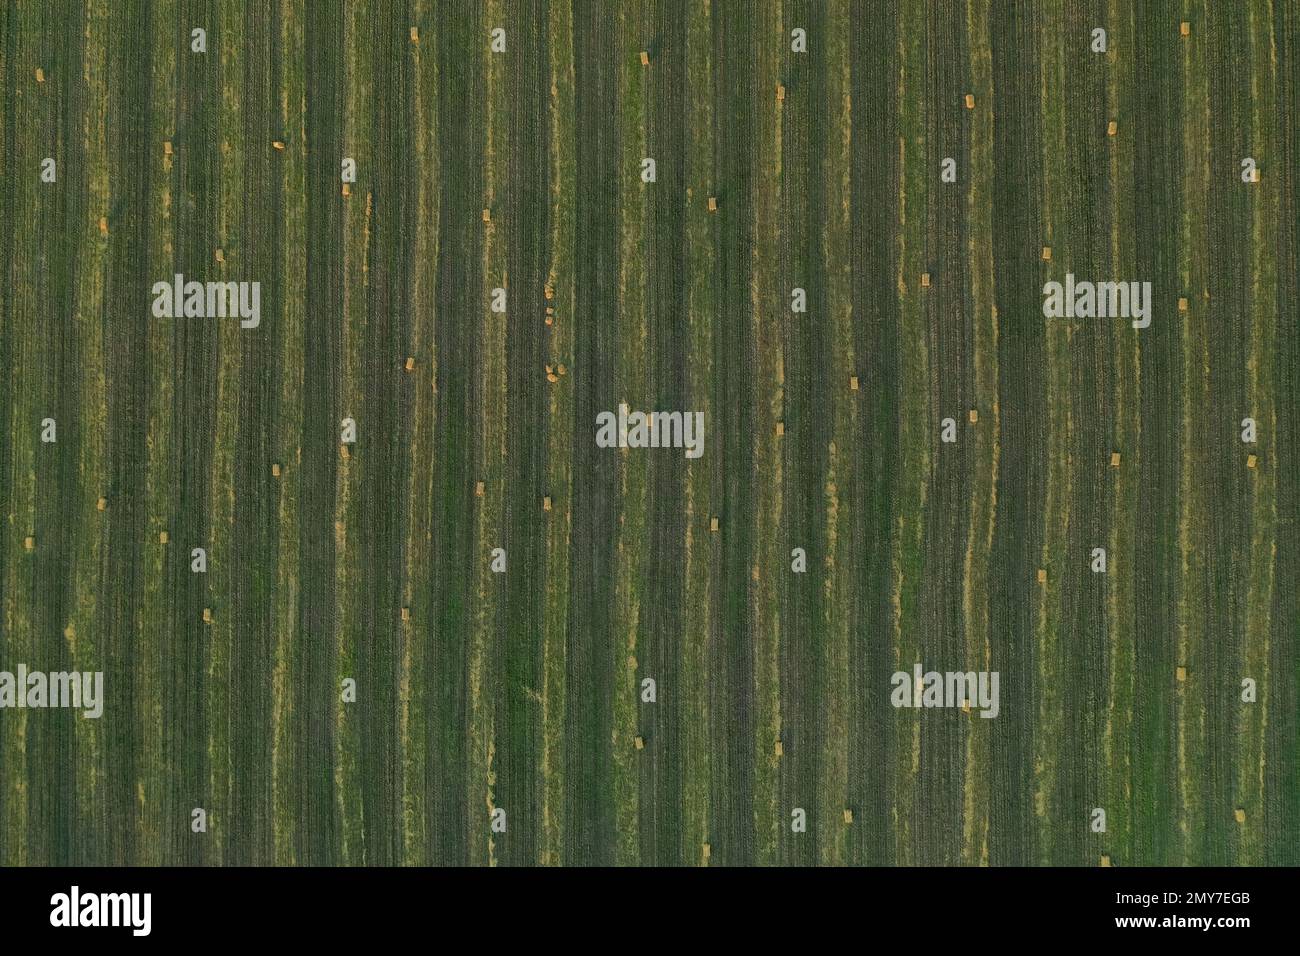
column 521, row 691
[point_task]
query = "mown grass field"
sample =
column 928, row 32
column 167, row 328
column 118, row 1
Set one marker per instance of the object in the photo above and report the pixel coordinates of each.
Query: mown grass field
column 522, row 691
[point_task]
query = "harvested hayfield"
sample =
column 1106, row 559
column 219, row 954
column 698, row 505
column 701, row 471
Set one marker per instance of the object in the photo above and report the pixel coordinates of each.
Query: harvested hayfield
column 365, row 587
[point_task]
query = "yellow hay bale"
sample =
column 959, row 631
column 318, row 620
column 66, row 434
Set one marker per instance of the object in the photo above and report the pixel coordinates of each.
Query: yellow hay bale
column 1114, row 459
column 275, row 469
column 1047, row 253
column 29, row 542
column 546, row 503
column 221, row 255
column 278, row 143
column 344, row 452
column 713, row 524
column 970, row 101
column 415, row 35
column 1181, row 674
column 1042, row 575
column 645, row 58
column 925, row 280
column 1112, row 128
column 1251, row 461
column 410, row 363
column 1185, row 28
column 853, row 383
column 974, row 416
column 162, row 537
column 780, row 92
column 167, row 147
column 207, row 615
column 347, row 190
column 707, row 851
column 1239, row 815
column 478, row 489
column 102, row 503
column 1105, row 860
column 779, row 750
column 40, row 75
column 848, row 815
column 639, row 743
column 713, row 204
column 1182, row 304
column 487, row 215
column 406, row 614
column 780, row 429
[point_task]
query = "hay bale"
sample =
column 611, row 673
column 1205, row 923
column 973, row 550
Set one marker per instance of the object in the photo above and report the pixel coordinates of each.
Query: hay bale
column 780, row 429
column 1112, row 128
column 1239, row 815
column 546, row 503
column 487, row 215
column 278, row 143
column 713, row 204
column 1042, row 575
column 780, row 92
column 1185, row 29
column 1114, row 459
column 970, row 101
column 974, row 415
column 29, row 542
column 162, row 537
column 714, row 524
column 415, row 35
column 848, row 815
column 478, row 490
column 925, row 280
column 406, row 614
column 1182, row 304
column 639, row 743
column 102, row 503
column 1105, row 860
column 1251, row 461
column 1047, row 253
column 410, row 363
column 207, row 615
column 853, row 383
column 779, row 750
column 275, row 469
column 1180, row 674
column 645, row 57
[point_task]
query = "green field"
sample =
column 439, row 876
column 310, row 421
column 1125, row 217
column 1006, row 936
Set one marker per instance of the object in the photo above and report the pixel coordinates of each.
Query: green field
column 522, row 691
